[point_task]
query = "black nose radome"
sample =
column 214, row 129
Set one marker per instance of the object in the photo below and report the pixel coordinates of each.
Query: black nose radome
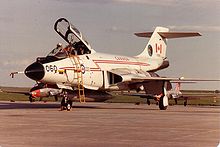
column 35, row 71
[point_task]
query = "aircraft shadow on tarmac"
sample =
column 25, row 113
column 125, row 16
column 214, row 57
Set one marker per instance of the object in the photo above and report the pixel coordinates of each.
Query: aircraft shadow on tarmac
column 17, row 105
column 14, row 105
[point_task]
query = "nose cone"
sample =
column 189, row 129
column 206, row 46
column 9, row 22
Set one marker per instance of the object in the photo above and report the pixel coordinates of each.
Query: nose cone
column 35, row 71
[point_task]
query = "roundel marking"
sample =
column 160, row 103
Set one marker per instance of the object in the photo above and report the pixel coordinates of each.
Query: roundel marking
column 83, row 68
column 150, row 50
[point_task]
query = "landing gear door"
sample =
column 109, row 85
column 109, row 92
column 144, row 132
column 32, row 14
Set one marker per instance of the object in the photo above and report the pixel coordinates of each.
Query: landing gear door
column 70, row 33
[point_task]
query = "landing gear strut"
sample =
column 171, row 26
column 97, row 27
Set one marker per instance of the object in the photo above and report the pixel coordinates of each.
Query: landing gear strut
column 66, row 103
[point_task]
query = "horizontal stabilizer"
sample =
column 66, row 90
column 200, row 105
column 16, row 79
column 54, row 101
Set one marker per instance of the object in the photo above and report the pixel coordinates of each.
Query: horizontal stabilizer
column 144, row 34
column 169, row 35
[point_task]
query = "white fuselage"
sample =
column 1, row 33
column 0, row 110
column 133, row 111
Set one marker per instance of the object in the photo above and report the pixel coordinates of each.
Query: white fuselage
column 94, row 69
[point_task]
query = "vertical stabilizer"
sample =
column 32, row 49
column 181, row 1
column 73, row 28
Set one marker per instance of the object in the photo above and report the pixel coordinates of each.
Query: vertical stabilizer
column 156, row 47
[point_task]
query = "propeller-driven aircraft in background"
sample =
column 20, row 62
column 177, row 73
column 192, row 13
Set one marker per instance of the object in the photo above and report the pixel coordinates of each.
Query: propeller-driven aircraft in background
column 78, row 67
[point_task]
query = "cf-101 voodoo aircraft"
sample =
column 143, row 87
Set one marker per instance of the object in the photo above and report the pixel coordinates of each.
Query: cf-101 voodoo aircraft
column 77, row 67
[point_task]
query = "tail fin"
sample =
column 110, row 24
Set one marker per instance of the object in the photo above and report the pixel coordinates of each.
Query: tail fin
column 157, row 45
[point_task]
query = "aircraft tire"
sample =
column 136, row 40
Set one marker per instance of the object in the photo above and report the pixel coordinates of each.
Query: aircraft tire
column 161, row 104
column 69, row 105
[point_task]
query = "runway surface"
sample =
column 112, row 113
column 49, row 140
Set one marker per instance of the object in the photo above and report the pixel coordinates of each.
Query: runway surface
column 108, row 124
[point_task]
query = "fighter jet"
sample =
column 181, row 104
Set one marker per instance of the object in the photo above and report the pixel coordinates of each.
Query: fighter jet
column 78, row 67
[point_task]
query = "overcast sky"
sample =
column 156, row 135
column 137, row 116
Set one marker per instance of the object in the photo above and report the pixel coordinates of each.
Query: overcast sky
column 26, row 32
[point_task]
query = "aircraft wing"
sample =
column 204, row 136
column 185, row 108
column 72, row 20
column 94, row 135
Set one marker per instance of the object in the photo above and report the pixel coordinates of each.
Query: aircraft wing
column 18, row 92
column 171, row 79
column 184, row 93
column 24, row 91
column 137, row 76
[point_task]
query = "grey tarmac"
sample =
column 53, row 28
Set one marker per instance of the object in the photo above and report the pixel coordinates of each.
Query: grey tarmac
column 108, row 124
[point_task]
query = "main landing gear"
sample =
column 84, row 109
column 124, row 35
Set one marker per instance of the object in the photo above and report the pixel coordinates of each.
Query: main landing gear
column 163, row 102
column 162, row 99
column 66, row 103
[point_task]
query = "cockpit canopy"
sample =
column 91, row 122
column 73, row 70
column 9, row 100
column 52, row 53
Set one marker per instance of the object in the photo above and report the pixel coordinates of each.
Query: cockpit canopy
column 72, row 35
column 77, row 44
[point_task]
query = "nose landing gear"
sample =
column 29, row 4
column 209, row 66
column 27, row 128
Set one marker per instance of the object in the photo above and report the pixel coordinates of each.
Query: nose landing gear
column 66, row 103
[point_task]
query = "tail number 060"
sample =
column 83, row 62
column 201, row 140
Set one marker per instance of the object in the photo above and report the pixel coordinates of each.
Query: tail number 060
column 51, row 68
